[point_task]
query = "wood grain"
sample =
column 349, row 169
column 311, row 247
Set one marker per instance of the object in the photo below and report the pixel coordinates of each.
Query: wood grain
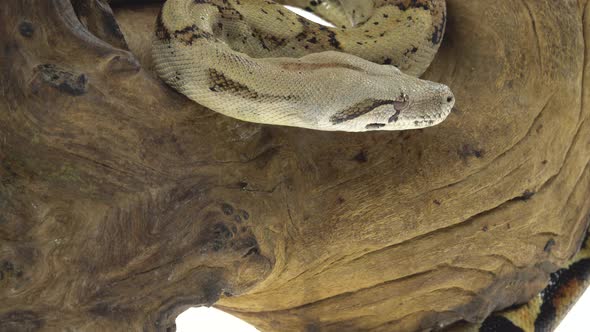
column 123, row 203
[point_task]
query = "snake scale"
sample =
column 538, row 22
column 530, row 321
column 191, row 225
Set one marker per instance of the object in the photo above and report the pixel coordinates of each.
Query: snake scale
column 256, row 61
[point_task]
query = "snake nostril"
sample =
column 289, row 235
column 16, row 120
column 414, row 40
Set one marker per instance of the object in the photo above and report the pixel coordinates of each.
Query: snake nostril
column 449, row 99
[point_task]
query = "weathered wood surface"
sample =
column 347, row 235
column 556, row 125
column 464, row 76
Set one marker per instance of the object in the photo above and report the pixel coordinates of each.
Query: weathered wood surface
column 123, row 203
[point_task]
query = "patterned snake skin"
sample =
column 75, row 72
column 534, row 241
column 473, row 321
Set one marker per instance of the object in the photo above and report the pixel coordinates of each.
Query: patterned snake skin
column 545, row 311
column 256, row 61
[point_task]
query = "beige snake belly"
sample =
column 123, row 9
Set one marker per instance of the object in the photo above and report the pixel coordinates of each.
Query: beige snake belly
column 256, row 61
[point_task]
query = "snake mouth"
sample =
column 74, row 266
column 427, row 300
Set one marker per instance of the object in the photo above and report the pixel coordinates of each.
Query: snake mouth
column 394, row 117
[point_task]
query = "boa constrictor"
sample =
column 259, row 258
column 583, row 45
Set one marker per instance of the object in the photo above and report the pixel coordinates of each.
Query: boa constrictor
column 256, row 61
column 544, row 312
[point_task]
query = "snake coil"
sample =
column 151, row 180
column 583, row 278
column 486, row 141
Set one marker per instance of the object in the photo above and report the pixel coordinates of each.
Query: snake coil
column 256, row 61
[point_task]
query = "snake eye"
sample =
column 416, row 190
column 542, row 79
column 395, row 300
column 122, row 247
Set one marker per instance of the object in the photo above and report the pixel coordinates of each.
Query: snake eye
column 402, row 102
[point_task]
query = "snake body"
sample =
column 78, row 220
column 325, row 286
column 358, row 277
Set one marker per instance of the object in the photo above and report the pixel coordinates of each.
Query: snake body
column 544, row 312
column 256, row 61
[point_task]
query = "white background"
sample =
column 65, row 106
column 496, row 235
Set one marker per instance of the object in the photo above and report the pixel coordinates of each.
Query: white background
column 213, row 320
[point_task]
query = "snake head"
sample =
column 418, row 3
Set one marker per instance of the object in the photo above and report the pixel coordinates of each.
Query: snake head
column 416, row 104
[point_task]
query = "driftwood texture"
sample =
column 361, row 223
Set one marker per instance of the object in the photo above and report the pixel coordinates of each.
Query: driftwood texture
column 123, row 203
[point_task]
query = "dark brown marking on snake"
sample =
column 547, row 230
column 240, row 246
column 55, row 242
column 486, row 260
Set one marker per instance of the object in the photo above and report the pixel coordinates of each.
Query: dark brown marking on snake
column 496, row 323
column 394, row 117
column 268, row 41
column 218, row 82
column 439, row 27
column 230, row 13
column 423, row 122
column 189, row 34
column 439, row 30
column 359, row 109
column 560, row 290
column 407, row 4
column 412, row 50
column 161, row 31
column 304, row 22
column 333, row 40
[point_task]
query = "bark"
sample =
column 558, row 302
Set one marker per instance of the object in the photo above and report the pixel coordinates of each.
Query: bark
column 123, row 203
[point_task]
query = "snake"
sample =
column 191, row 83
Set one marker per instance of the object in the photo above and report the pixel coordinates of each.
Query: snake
column 256, row 61
column 546, row 310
